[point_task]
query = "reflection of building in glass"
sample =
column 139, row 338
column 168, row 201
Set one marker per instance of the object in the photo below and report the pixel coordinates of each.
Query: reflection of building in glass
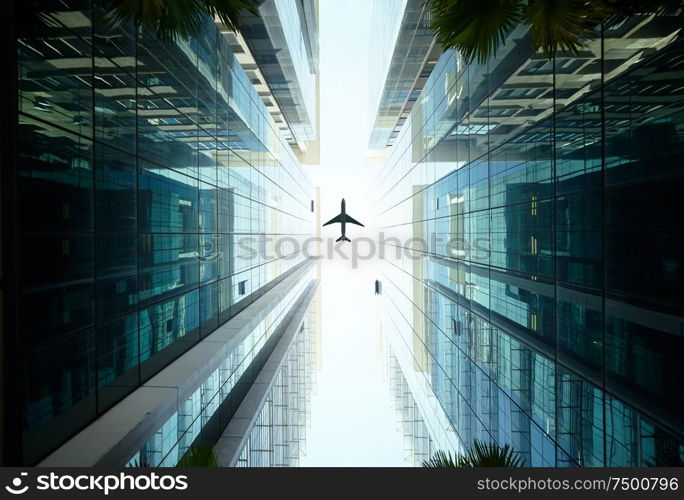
column 545, row 310
column 151, row 186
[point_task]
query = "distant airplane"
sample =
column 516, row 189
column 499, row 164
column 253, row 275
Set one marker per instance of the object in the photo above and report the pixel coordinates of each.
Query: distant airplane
column 343, row 219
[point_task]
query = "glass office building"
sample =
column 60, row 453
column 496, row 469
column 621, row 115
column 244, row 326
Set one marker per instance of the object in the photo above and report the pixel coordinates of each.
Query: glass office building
column 533, row 277
column 402, row 55
column 278, row 435
column 151, row 188
column 283, row 42
column 254, row 373
column 418, row 442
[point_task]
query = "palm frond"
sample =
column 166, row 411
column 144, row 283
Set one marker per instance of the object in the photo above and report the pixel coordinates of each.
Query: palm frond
column 441, row 460
column 199, row 455
column 561, row 24
column 171, row 19
column 479, row 455
column 492, row 455
column 139, row 463
column 475, row 28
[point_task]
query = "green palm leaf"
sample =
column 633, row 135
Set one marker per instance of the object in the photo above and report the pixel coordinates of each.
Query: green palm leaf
column 480, row 455
column 442, row 460
column 171, row 19
column 561, row 24
column 199, row 455
column 140, row 463
column 475, row 28
column 492, row 455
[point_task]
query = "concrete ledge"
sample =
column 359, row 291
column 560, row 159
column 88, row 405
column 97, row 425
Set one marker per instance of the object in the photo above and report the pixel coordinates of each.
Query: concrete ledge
column 120, row 433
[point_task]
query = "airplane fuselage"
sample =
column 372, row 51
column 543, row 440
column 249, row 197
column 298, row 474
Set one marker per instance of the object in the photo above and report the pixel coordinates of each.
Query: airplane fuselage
column 343, row 217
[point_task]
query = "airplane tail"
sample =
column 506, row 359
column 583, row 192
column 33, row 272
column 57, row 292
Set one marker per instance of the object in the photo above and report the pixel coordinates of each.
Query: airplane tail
column 342, row 238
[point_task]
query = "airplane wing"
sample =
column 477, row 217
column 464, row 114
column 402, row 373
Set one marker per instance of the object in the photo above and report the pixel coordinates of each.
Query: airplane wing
column 333, row 220
column 351, row 220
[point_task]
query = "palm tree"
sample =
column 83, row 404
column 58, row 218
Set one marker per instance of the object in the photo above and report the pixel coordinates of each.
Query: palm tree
column 480, row 455
column 443, row 460
column 171, row 19
column 475, row 28
column 199, row 455
column 139, row 463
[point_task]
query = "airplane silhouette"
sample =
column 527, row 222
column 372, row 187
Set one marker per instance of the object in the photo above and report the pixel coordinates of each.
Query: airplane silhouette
column 343, row 219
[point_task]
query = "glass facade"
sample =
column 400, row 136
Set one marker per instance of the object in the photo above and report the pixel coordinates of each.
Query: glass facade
column 386, row 20
column 280, row 41
column 418, row 442
column 402, row 56
column 540, row 303
column 152, row 184
column 278, row 438
column 205, row 413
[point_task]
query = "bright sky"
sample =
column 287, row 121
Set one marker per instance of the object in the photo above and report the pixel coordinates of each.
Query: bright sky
column 352, row 420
